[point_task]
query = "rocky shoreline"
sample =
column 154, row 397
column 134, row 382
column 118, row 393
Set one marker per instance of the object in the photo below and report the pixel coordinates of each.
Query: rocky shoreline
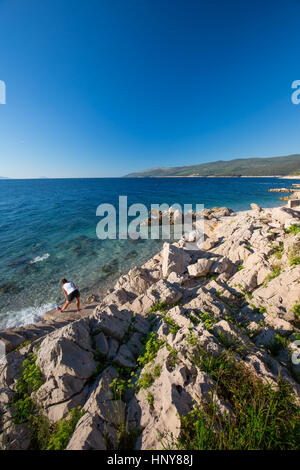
column 180, row 345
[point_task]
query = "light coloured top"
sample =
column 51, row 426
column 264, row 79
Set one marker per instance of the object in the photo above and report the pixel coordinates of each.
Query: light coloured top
column 69, row 287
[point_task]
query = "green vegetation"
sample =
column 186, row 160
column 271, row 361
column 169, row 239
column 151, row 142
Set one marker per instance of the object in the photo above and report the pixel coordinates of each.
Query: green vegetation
column 145, row 380
column 23, row 345
column 173, row 356
column 150, row 399
column 258, row 309
column 294, row 255
column 263, row 418
column 126, row 378
column 238, row 167
column 244, row 293
column 208, row 319
column 159, row 307
column 277, row 345
column 26, row 411
column 294, row 259
column 193, row 318
column 119, row 387
column 127, row 438
column 30, row 381
column 157, row 371
column 152, row 346
column 240, row 267
column 173, row 327
column 293, row 229
column 275, row 273
column 192, row 339
column 64, row 429
column 278, row 251
column 296, row 310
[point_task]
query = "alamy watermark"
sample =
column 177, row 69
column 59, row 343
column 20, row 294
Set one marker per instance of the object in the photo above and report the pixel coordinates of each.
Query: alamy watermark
column 2, row 92
column 162, row 222
column 296, row 353
column 2, row 353
column 296, row 94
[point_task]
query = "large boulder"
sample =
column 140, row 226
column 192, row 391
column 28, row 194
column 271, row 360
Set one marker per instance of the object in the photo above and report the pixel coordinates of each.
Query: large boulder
column 66, row 361
column 162, row 291
column 174, row 260
column 201, row 268
column 111, row 321
column 255, row 207
column 104, row 417
column 284, row 214
column 280, row 294
column 253, row 273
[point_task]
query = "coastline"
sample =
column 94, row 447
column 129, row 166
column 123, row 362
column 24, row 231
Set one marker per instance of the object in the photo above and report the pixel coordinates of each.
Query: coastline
column 232, row 295
column 93, row 296
column 205, row 176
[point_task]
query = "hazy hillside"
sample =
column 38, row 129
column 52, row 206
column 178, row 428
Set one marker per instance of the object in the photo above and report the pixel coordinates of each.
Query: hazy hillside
column 242, row 166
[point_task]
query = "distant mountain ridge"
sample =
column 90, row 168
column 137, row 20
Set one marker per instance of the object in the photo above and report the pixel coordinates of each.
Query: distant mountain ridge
column 272, row 166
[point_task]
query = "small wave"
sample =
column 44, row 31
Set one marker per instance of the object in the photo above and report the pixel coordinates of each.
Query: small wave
column 25, row 316
column 37, row 259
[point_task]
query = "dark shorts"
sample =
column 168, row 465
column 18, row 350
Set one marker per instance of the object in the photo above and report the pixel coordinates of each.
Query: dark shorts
column 73, row 294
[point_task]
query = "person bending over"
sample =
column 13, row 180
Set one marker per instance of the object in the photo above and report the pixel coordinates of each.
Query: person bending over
column 71, row 292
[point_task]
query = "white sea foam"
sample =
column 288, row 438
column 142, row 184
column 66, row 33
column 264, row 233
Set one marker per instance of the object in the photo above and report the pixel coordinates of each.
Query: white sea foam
column 25, row 316
column 37, row 259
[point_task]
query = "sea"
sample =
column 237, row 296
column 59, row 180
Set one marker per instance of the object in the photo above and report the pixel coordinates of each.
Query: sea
column 48, row 232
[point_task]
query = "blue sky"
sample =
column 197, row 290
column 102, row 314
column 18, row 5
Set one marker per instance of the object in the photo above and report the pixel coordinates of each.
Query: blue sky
column 106, row 87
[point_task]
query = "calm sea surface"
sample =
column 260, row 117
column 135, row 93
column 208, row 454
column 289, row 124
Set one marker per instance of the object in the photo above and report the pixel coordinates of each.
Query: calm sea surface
column 48, row 231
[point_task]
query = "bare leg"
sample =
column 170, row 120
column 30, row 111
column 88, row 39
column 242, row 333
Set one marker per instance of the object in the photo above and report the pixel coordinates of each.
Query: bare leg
column 66, row 305
column 78, row 303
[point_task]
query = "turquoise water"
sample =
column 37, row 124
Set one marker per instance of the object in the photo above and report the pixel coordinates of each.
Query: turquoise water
column 48, row 231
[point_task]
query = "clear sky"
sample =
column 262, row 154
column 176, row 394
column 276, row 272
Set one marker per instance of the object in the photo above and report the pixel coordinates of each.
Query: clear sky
column 107, row 87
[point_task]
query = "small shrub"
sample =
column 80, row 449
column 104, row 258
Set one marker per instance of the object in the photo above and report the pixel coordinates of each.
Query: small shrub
column 275, row 273
column 173, row 327
column 294, row 255
column 277, row 345
column 173, row 356
column 264, row 418
column 208, row 319
column 145, row 381
column 159, row 307
column 192, row 339
column 157, row 371
column 118, row 387
column 23, row 345
column 294, row 260
column 296, row 310
column 278, row 251
column 152, row 346
column 30, row 381
column 293, row 229
column 150, row 399
column 64, row 430
column 258, row 309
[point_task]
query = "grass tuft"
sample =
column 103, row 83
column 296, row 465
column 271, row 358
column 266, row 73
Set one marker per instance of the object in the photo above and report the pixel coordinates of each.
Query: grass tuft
column 263, row 418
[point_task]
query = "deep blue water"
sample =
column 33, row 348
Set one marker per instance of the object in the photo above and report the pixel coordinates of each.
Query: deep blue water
column 48, row 231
